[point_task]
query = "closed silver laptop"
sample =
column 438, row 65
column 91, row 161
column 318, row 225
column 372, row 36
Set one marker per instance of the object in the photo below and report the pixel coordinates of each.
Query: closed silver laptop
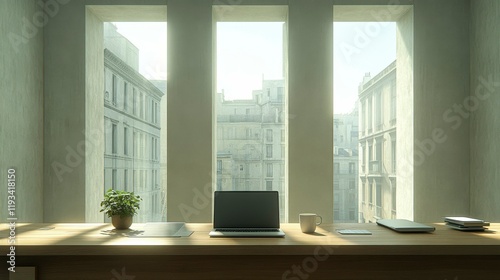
column 403, row 225
column 246, row 214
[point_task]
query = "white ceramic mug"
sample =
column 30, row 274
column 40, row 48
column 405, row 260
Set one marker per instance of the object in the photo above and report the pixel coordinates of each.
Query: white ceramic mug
column 308, row 222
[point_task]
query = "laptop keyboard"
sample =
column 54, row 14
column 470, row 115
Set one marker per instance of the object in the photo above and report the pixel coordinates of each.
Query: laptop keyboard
column 247, row 230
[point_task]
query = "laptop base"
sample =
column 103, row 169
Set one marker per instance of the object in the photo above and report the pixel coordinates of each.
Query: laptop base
column 238, row 233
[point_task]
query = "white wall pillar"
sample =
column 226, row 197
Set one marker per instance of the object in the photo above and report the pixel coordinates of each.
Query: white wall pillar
column 310, row 119
column 189, row 111
column 441, row 75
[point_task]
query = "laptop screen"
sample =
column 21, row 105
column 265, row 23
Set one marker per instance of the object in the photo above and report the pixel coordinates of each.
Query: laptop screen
column 246, row 209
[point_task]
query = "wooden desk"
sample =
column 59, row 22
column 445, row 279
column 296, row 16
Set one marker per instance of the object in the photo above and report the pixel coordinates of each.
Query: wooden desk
column 92, row 251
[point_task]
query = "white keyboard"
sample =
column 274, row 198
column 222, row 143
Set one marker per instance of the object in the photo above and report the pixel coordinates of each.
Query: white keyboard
column 354, row 232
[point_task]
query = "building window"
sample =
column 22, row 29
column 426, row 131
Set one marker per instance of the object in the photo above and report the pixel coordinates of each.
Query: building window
column 125, row 180
column 139, row 138
column 152, row 148
column 157, row 150
column 141, row 105
column 379, row 110
column 336, row 168
column 269, row 172
column 393, row 100
column 156, row 113
column 114, row 90
column 125, row 141
column 114, row 139
column 125, row 96
column 378, row 193
column 243, row 103
column 352, row 167
column 135, row 179
column 369, row 116
column 282, row 136
column 269, row 185
column 152, row 186
column 269, row 135
column 363, row 192
column 269, row 151
column 393, row 156
column 134, row 144
column 370, row 193
column 219, row 166
column 113, row 179
column 134, row 102
column 352, row 216
column 280, row 94
column 352, row 184
column 352, row 198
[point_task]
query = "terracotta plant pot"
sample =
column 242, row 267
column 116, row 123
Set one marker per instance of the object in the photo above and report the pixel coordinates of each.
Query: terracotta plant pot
column 121, row 223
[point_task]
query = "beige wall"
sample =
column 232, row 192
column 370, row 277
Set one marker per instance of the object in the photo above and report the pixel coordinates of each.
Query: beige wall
column 441, row 75
column 94, row 117
column 189, row 111
column 485, row 120
column 405, row 116
column 64, row 118
column 310, row 126
column 21, row 108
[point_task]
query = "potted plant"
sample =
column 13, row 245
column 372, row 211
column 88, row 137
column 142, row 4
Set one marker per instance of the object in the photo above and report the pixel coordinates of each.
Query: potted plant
column 120, row 206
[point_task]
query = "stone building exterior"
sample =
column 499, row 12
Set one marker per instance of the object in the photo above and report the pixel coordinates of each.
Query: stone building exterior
column 132, row 129
column 345, row 164
column 377, row 140
column 251, row 141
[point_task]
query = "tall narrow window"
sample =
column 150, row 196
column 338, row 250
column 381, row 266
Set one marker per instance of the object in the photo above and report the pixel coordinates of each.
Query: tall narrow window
column 141, row 105
column 269, row 135
column 219, row 166
column 269, row 185
column 113, row 179
column 152, row 148
column 114, row 90
column 250, row 100
column 125, row 141
column 125, row 96
column 134, row 102
column 269, row 172
column 125, row 179
column 366, row 60
column 269, row 151
column 135, row 144
column 136, row 77
column 114, row 139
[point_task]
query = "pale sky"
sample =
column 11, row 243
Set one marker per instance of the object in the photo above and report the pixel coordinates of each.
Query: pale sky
column 151, row 39
column 249, row 52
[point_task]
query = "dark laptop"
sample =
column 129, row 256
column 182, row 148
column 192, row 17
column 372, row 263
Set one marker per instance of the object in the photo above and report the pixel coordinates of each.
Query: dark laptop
column 246, row 214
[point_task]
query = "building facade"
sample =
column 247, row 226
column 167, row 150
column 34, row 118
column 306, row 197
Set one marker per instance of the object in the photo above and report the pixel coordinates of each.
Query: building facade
column 345, row 163
column 377, row 140
column 132, row 133
column 251, row 141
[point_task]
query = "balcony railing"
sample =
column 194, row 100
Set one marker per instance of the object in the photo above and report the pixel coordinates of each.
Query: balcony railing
column 239, row 118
